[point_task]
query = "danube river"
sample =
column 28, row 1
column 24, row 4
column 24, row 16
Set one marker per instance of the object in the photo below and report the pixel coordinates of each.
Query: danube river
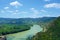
column 25, row 34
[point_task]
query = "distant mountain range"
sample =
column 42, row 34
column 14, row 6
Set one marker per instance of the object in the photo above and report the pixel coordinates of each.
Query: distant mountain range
column 25, row 20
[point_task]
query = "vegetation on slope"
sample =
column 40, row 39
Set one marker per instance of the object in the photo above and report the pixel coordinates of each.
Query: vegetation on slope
column 52, row 33
column 8, row 25
column 12, row 28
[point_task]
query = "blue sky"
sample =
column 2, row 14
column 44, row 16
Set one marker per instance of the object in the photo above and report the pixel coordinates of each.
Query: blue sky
column 29, row 8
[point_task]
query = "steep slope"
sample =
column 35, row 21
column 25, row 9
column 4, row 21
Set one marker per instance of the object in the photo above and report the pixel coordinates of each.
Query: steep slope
column 52, row 33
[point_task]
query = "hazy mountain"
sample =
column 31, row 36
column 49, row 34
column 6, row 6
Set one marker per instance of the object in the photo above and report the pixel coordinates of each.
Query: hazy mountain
column 25, row 20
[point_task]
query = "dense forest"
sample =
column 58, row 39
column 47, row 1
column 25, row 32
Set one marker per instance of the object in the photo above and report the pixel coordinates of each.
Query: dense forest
column 12, row 28
column 52, row 32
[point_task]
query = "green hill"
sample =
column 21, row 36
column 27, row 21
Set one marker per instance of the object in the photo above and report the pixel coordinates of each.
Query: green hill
column 11, row 25
column 52, row 33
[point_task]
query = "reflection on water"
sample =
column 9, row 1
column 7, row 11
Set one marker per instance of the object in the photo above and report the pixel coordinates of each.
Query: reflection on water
column 25, row 34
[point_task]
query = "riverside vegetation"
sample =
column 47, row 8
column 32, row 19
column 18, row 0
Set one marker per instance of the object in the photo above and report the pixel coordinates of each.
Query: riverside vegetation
column 52, row 32
column 10, row 26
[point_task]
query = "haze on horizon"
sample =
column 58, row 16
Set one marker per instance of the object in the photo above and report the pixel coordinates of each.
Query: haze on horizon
column 29, row 8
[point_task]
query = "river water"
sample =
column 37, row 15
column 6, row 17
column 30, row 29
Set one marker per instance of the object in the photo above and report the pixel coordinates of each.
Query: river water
column 25, row 34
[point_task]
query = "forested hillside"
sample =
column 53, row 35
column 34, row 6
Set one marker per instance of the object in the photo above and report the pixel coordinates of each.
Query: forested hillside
column 25, row 20
column 9, row 25
column 52, row 33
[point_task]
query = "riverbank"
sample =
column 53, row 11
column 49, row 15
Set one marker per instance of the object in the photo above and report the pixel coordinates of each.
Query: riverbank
column 2, row 37
column 25, row 34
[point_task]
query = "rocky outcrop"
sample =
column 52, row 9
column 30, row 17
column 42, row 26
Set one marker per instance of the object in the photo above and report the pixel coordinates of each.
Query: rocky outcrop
column 2, row 38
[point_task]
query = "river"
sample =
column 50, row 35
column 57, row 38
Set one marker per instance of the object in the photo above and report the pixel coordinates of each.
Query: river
column 25, row 34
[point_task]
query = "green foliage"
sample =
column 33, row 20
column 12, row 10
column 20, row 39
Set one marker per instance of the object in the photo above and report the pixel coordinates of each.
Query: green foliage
column 11, row 28
column 52, row 33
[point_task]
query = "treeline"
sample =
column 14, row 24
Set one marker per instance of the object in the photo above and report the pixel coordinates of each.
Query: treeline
column 52, row 33
column 12, row 28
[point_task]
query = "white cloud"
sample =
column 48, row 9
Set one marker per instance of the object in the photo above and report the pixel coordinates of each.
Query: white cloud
column 16, row 4
column 10, row 11
column 43, row 11
column 2, row 11
column 6, row 7
column 52, row 5
column 37, row 12
column 14, row 13
column 16, row 10
column 34, row 10
column 19, row 12
column 47, row 15
column 24, row 12
column 46, row 0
